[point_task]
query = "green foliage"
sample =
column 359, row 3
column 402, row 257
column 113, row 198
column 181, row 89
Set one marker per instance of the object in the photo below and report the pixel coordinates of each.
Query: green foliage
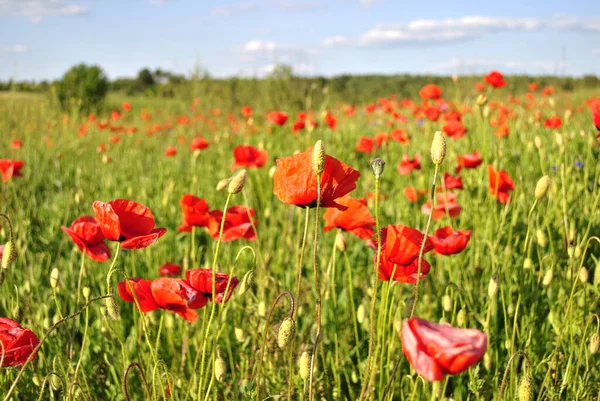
column 82, row 87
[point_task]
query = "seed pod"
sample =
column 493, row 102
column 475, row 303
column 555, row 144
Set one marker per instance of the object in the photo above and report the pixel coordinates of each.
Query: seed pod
column 318, row 158
column 377, row 165
column 54, row 278
column 541, row 188
column 438, row 148
column 340, row 242
column 493, row 286
column 112, row 308
column 286, row 332
column 594, row 343
column 220, row 368
column 224, row 183
column 447, row 303
column 237, row 182
column 525, row 389
column 9, row 255
column 548, row 278
column 304, row 365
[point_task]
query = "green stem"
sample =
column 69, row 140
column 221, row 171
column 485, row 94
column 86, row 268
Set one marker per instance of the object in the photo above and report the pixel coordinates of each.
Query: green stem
column 318, row 288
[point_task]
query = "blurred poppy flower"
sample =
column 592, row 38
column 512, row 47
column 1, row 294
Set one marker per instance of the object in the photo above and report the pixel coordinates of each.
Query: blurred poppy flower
column 129, row 222
column 399, row 135
column 454, row 129
column 201, row 281
column 299, row 125
column 479, row 86
column 330, row 120
column 87, row 235
column 452, row 182
column 356, row 219
column 446, row 203
column 171, row 151
column 366, row 145
column 246, row 111
column 195, row 213
column 596, row 113
column 502, row 131
column 447, row 241
column 277, row 117
column 469, row 160
column 169, row 269
column 237, row 224
column 407, row 164
column 553, row 122
column 2, row 250
column 126, row 106
column 198, row 143
column 17, row 144
column 548, row 91
column 249, row 156
column 10, row 168
column 400, row 252
column 432, row 113
column 495, row 79
column 500, row 184
column 295, row 182
column 414, row 194
column 532, row 87
column 430, row 91
column 115, row 115
column 17, row 343
column 435, row 350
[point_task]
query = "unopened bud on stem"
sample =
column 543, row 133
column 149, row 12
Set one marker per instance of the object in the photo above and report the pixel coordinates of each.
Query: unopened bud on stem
column 237, row 182
column 438, row 148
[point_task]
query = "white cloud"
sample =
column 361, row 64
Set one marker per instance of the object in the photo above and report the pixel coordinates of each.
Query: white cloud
column 14, row 49
column 234, row 9
column 35, row 10
column 472, row 65
column 255, row 46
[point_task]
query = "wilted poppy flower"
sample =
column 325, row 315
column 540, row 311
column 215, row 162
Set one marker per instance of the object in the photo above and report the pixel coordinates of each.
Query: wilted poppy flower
column 129, row 222
column 195, row 213
column 435, row 350
column 447, row 241
column 400, row 253
column 452, row 182
column 10, row 168
column 18, row 343
column 295, row 182
column 430, row 91
column 169, row 269
column 469, row 160
column 237, row 224
column 495, row 79
column 446, row 203
column 87, row 235
column 246, row 111
column 277, row 117
column 553, row 122
column 454, row 129
column 366, row 144
column 414, row 194
column 356, row 219
column 171, row 151
column 500, row 184
column 249, row 156
column 198, row 143
column 407, row 164
column 596, row 113
column 201, row 281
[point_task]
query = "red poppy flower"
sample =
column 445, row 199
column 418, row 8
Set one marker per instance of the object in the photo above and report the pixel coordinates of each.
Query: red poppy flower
column 432, row 113
column 399, row 135
column 454, row 129
column 201, row 281
column 177, row 296
column 169, row 269
column 249, row 156
column 18, row 343
column 299, row 125
column 87, row 235
column 143, row 293
column 596, row 113
column 469, row 160
column 17, row 144
column 435, row 350
column 246, row 111
column 2, row 250
column 447, row 241
column 400, row 253
column 446, row 203
column 195, row 213
column 126, row 106
column 380, row 138
column 237, row 224
column 502, row 131
column 129, row 222
column 479, row 86
column 330, row 120
column 532, row 87
column 10, row 168
column 295, row 182
column 407, row 164
column 171, row 151
column 198, row 143
column 553, row 122
column 414, row 194
column 115, row 115
column 495, row 79
column 277, row 117
column 430, row 91
column 356, row 219
column 500, row 184
column 366, row 144
column 453, row 115
column 548, row 91
column 452, row 182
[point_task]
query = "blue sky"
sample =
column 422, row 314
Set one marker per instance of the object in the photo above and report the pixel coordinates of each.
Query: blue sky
column 41, row 39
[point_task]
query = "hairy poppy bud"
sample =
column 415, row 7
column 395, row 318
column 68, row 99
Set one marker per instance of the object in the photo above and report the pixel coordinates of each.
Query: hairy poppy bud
column 272, row 171
column 86, row 292
column 594, row 343
column 286, row 332
column 112, row 309
column 481, row 100
column 525, row 389
column 360, row 313
column 461, row 318
column 224, row 183
column 447, row 303
column 54, row 278
column 262, row 309
column 237, row 182
column 17, row 313
column 493, row 286
column 542, row 239
column 584, row 275
column 318, row 158
column 304, row 365
column 220, row 368
column 55, row 382
column 487, row 361
column 377, row 165
column 527, row 263
column 548, row 278
column 538, row 142
column 541, row 188
column 438, row 148
column 9, row 254
column 239, row 334
column 247, row 282
column 340, row 242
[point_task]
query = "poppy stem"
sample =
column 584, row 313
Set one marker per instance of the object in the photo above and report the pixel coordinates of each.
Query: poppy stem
column 10, row 226
column 526, row 244
column 301, row 259
column 422, row 250
column 503, row 382
column 318, row 288
column 126, row 373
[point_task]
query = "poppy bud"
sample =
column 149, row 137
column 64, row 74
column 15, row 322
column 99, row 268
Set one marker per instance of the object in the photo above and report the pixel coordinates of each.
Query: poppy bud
column 237, row 182
column 493, row 286
column 447, row 303
column 455, row 78
column 481, row 100
column 86, row 292
column 54, row 277
column 17, row 313
column 584, row 275
column 239, row 334
column 220, row 368
column 36, row 380
column 112, row 309
column 408, row 305
column 541, row 238
column 559, row 140
column 487, row 361
column 568, row 114
column 527, row 263
column 318, row 158
column 525, row 389
column 597, row 275
column 360, row 313
column 247, row 282
column 224, row 183
column 541, row 188
column 538, row 142
column 9, row 254
column 577, row 252
column 340, row 242
column 548, row 278
column 286, row 332
column 55, row 382
column 272, row 171
column 304, row 365
column 262, row 309
column 438, row 148
column 377, row 165
column 594, row 343
column 461, row 318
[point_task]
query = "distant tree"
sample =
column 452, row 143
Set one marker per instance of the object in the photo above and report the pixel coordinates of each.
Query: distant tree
column 145, row 79
column 83, row 86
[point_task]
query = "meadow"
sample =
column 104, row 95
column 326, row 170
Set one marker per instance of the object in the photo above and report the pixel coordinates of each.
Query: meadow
column 285, row 296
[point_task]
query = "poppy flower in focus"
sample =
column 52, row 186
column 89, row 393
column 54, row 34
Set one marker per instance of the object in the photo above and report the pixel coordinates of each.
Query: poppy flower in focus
column 142, row 290
column 407, row 164
column 435, row 350
column 452, row 182
column 169, row 269
column 201, row 281
column 171, row 151
column 495, row 79
column 469, row 160
column 414, row 194
column 87, row 235
column 295, row 182
column 366, row 144
column 553, row 122
column 249, row 156
column 198, row 143
column 126, row 106
column 246, row 111
column 277, row 117
column 17, row 144
column 17, row 343
column 356, row 219
column 430, row 91
column 596, row 113
column 129, row 222
column 177, row 296
column 195, row 213
column 237, row 224
column 400, row 254
column 446, row 203
column 500, row 184
column 447, row 241
column 454, row 129
column 10, row 168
